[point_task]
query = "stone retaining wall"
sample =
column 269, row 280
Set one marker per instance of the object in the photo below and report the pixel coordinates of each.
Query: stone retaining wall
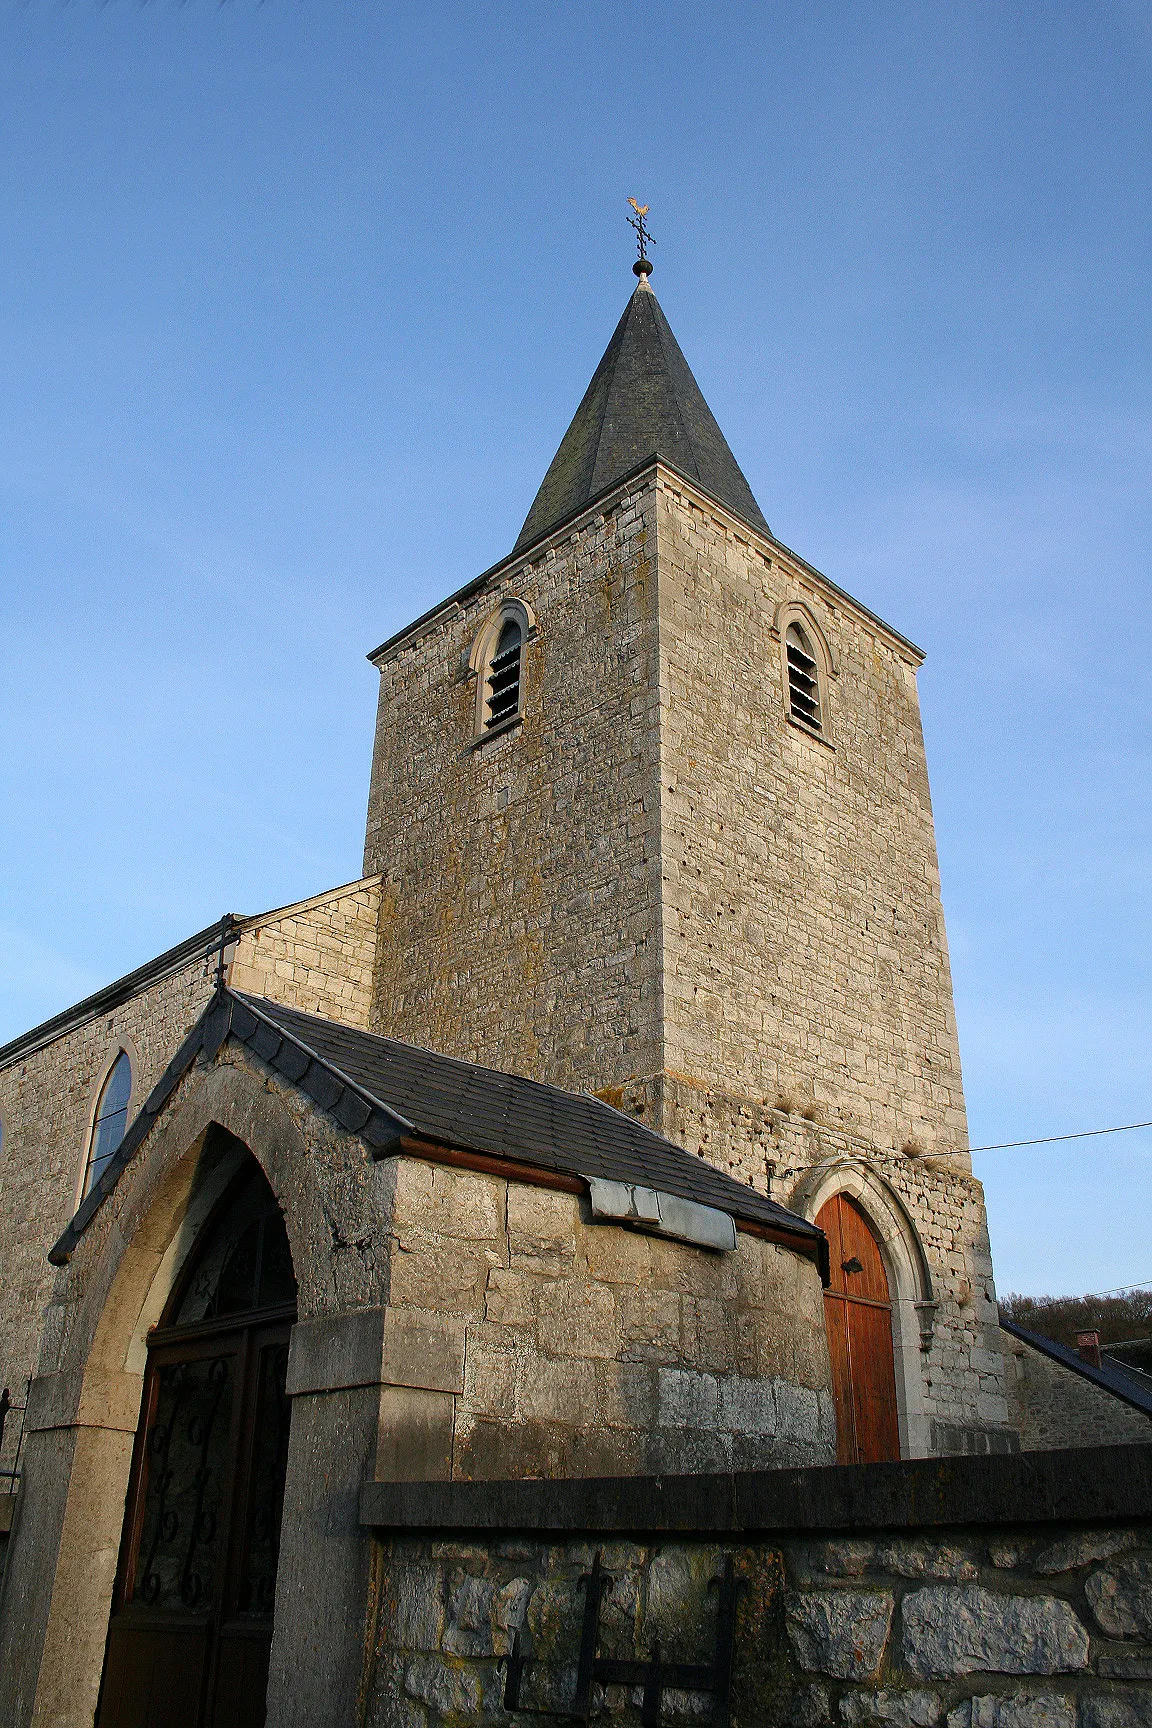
column 860, row 1600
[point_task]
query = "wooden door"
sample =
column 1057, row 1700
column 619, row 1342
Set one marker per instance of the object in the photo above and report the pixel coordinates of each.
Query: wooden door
column 191, row 1626
column 858, row 1315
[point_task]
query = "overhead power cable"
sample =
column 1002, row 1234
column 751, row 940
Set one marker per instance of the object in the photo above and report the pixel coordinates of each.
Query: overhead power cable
column 1118, row 1290
column 1047, row 1139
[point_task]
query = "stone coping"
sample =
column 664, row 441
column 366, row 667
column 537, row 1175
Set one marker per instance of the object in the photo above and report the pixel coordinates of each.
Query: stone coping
column 1086, row 1484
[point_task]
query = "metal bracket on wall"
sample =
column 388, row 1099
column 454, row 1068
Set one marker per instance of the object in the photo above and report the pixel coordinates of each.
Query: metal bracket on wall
column 655, row 1676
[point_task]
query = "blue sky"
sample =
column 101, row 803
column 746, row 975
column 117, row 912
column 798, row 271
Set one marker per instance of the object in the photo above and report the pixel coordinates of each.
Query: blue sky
column 298, row 299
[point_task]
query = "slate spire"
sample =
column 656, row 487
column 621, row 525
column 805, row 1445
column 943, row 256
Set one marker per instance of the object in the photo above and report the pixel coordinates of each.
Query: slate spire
column 643, row 401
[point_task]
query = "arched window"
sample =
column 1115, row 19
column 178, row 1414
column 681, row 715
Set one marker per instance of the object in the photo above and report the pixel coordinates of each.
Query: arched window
column 110, row 1121
column 503, row 678
column 803, row 679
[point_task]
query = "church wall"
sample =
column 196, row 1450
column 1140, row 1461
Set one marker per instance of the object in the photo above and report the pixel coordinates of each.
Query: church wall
column 518, row 922
column 47, row 1101
column 316, row 956
column 808, row 997
column 568, row 1348
column 805, row 954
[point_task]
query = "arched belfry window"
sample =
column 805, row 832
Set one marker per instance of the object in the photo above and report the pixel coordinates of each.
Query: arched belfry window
column 497, row 663
column 110, row 1121
column 803, row 678
column 807, row 664
column 503, row 698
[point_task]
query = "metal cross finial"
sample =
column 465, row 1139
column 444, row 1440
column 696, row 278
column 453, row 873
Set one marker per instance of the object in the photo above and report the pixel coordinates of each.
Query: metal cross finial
column 643, row 238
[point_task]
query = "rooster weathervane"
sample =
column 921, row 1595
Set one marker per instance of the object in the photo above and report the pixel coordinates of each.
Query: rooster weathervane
column 642, row 266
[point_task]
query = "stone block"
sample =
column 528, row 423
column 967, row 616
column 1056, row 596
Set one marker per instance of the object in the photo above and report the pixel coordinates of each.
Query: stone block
column 1082, row 1549
column 414, row 1443
column 912, row 1709
column 578, row 1320
column 1131, row 1708
column 448, row 1276
column 748, row 1406
column 469, row 1629
column 1015, row 1710
column 839, row 1632
column 447, row 1688
column 912, row 1559
column 967, row 1630
column 510, row 1299
column 423, row 1349
column 1120, row 1597
column 687, row 1399
column 412, row 1608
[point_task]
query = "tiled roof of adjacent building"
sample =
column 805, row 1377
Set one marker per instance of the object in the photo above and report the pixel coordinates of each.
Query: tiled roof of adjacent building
column 642, row 402
column 1132, row 1386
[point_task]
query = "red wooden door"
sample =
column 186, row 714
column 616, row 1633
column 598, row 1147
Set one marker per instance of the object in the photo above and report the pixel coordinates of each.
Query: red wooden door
column 858, row 1315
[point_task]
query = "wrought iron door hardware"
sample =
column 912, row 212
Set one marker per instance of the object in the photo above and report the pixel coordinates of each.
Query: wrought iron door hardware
column 655, row 1676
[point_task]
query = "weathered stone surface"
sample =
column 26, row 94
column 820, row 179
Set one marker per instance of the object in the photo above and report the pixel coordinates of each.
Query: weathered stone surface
column 839, row 1632
column 811, row 1707
column 1005, row 1554
column 451, row 1690
column 849, row 1559
column 509, row 1606
column 1120, row 1597
column 412, row 1610
column 969, row 1630
column 1082, row 1549
column 1125, row 1667
column 925, row 1560
column 469, row 1631
column 914, row 1709
column 1016, row 1710
column 1131, row 1708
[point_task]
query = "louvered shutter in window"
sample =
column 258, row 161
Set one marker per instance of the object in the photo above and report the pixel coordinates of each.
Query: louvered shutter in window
column 803, row 685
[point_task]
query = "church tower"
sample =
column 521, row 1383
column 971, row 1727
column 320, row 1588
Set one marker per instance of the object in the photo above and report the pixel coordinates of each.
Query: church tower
column 650, row 807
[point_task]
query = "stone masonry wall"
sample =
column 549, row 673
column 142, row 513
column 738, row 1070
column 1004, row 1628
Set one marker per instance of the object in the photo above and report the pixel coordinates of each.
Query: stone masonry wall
column 47, row 1101
column 1052, row 1407
column 316, row 956
column 804, row 947
column 788, row 1000
column 1033, row 1626
column 521, row 877
column 807, row 990
column 529, row 1342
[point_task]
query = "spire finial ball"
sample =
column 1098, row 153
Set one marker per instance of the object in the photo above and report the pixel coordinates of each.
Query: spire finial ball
column 642, row 268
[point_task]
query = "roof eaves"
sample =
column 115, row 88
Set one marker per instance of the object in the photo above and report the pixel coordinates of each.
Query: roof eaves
column 527, row 554
column 121, row 990
column 1108, row 1380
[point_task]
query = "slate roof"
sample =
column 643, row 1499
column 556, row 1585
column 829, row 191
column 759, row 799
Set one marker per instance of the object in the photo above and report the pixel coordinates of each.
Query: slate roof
column 385, row 1091
column 460, row 1104
column 642, row 402
column 1132, row 1386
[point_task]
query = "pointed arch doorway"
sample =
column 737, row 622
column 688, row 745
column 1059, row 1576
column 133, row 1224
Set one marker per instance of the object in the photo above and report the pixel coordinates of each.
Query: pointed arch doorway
column 191, row 1625
column 858, row 1316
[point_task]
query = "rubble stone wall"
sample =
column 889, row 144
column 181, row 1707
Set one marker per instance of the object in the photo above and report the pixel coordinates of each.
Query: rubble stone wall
column 1041, row 1622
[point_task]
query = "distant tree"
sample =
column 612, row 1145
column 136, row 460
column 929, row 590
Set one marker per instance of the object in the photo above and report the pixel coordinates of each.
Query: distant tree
column 1118, row 1319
